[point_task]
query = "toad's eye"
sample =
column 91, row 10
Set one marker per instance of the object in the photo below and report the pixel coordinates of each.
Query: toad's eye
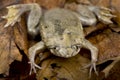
column 54, row 49
column 76, row 48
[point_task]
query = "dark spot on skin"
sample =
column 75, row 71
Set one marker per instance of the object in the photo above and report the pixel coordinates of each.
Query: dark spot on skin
column 46, row 26
column 69, row 33
column 61, row 38
column 58, row 27
column 74, row 40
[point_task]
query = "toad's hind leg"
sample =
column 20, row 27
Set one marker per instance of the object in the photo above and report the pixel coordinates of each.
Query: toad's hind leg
column 37, row 48
column 94, row 55
column 15, row 11
column 103, row 14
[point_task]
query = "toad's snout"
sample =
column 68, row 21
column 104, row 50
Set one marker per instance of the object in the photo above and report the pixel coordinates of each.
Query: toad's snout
column 66, row 52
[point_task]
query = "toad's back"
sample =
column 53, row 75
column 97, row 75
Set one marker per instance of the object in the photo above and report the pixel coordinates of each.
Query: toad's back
column 57, row 22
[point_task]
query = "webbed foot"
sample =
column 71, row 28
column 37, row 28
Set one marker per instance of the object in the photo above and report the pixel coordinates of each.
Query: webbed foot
column 33, row 65
column 104, row 14
column 14, row 13
column 36, row 49
column 92, row 66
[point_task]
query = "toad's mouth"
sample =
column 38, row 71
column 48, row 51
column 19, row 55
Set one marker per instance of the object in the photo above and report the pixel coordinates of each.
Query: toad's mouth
column 65, row 51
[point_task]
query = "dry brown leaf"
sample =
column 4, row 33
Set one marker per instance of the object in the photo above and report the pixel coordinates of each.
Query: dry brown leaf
column 57, row 68
column 83, row 1
column 90, row 29
column 4, row 3
column 8, row 49
column 104, row 3
column 115, row 4
column 20, row 35
column 109, row 48
column 12, row 39
column 108, row 45
column 48, row 4
column 71, row 6
column 114, row 73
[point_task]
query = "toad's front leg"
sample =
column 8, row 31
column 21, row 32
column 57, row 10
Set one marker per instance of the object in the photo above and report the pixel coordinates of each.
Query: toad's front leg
column 94, row 55
column 15, row 11
column 37, row 48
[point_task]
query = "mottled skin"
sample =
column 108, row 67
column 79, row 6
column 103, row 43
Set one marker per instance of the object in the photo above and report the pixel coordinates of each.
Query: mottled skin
column 61, row 31
column 62, row 34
